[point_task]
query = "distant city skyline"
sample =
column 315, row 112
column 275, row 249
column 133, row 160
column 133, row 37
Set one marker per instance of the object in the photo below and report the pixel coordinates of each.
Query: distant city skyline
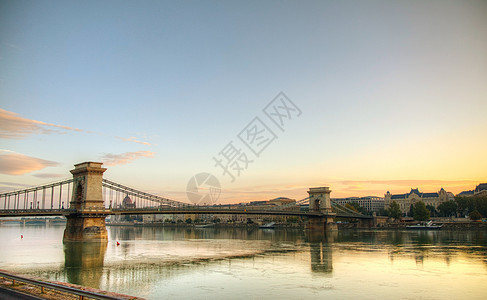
column 391, row 95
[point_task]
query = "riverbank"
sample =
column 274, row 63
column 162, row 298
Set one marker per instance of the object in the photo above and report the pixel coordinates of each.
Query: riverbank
column 203, row 225
column 461, row 226
column 447, row 225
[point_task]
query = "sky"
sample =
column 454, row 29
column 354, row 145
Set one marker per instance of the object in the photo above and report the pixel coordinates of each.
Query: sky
column 269, row 97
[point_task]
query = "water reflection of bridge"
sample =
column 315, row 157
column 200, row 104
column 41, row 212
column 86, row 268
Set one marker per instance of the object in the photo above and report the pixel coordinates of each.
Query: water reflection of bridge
column 136, row 260
column 87, row 198
column 86, row 263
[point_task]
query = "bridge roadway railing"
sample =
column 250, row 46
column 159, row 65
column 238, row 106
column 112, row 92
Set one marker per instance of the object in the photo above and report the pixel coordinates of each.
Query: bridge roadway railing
column 291, row 209
column 171, row 210
column 54, row 286
column 35, row 212
column 243, row 210
column 212, row 210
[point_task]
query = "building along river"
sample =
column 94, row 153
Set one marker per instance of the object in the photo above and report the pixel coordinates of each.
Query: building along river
column 236, row 263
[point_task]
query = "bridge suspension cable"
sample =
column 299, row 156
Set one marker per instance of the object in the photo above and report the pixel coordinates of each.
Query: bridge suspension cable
column 345, row 210
column 53, row 196
column 51, row 193
column 37, row 188
column 142, row 195
column 285, row 207
column 290, row 205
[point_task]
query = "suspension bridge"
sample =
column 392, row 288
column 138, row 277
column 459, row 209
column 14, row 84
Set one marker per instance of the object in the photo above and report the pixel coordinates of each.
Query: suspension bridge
column 88, row 198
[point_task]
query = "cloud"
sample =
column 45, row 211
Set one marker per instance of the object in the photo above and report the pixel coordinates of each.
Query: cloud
column 404, row 185
column 9, row 186
column 49, row 175
column 12, row 163
column 13, row 126
column 14, row 46
column 110, row 159
column 134, row 140
column 408, row 183
column 13, row 184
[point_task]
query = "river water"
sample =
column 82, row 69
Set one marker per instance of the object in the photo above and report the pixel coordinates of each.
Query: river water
column 212, row 263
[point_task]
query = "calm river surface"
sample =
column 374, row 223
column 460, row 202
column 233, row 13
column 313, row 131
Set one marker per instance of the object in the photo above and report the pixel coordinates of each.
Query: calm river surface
column 210, row 263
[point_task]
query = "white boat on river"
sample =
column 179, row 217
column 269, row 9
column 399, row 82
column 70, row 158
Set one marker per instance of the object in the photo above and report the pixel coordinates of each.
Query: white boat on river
column 428, row 226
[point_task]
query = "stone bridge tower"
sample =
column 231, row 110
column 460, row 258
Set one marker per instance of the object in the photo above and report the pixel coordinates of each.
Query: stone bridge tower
column 87, row 220
column 319, row 201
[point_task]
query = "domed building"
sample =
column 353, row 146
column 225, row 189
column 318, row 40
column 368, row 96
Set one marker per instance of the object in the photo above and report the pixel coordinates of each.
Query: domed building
column 127, row 202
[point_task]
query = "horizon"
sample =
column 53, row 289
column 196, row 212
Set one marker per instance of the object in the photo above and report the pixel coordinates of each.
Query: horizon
column 303, row 191
column 271, row 98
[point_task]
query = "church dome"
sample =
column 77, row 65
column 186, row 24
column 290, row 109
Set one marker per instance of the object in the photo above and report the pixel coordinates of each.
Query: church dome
column 127, row 201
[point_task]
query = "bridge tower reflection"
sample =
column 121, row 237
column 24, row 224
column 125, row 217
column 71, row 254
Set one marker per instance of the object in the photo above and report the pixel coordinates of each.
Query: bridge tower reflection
column 320, row 248
column 83, row 263
column 321, row 257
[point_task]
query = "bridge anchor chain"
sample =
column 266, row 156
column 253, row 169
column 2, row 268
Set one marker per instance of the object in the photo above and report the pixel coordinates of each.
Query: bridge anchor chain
column 87, row 221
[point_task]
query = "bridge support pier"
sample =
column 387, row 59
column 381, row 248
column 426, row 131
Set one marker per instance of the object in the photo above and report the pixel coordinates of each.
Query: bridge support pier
column 80, row 228
column 87, row 221
column 318, row 224
column 366, row 223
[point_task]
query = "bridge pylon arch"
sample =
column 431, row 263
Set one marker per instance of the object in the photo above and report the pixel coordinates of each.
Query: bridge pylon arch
column 319, row 199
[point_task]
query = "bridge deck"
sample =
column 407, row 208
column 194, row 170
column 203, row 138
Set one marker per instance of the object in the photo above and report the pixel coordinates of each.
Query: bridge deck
column 43, row 199
column 189, row 210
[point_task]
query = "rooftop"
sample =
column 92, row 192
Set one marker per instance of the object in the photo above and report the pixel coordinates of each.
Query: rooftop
column 481, row 187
